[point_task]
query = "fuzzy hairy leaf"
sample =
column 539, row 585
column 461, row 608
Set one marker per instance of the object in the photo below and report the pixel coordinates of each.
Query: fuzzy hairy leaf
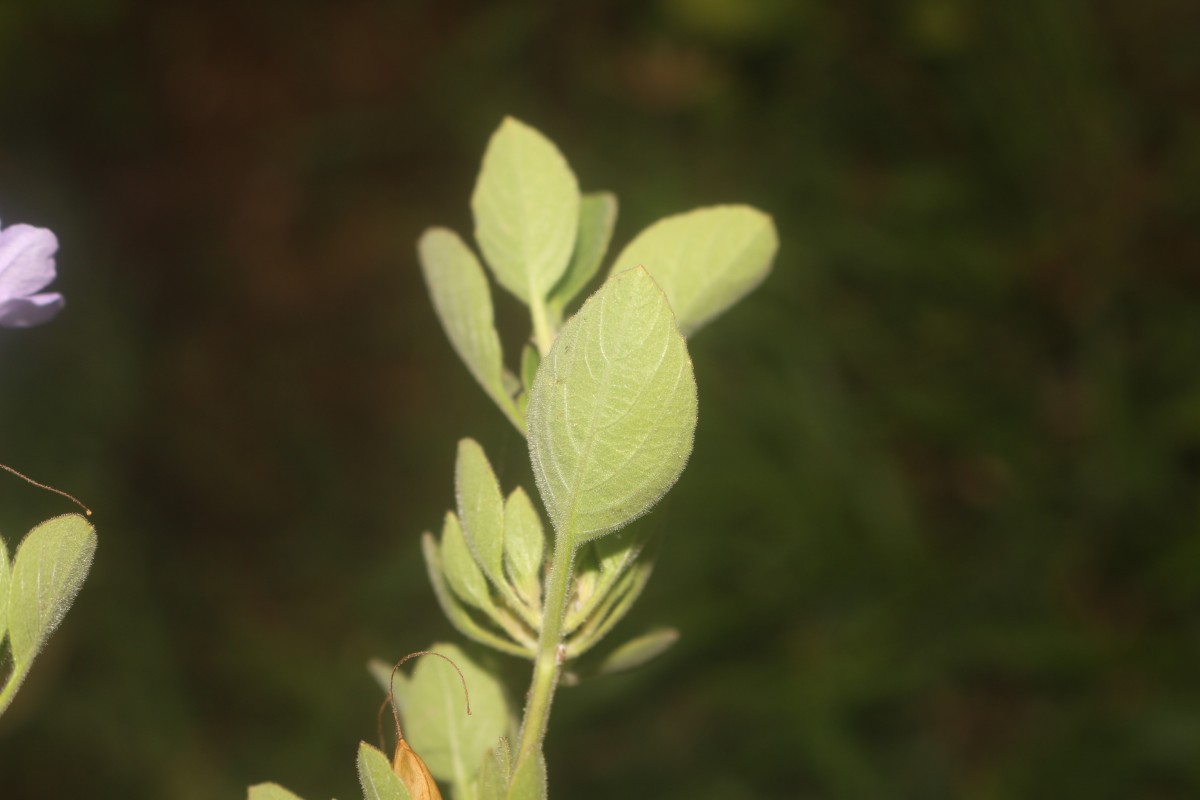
column 705, row 260
column 455, row 610
column 436, row 724
column 270, row 791
column 613, row 410
column 463, row 302
column 49, row 568
column 381, row 671
column 639, row 650
column 4, row 581
column 493, row 775
column 480, row 509
column 528, row 780
column 376, row 777
column 601, row 563
column 524, row 545
column 526, row 207
column 614, row 604
column 597, row 217
column 462, row 573
column 530, row 361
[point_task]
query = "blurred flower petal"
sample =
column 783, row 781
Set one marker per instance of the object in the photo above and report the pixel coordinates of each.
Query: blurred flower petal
column 27, row 266
column 22, row 312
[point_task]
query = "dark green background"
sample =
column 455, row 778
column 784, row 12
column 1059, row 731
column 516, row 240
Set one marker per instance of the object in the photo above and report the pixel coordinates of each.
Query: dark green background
column 939, row 535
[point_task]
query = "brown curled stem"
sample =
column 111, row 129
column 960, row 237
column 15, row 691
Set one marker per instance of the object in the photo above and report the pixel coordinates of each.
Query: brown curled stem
column 40, row 485
column 391, row 695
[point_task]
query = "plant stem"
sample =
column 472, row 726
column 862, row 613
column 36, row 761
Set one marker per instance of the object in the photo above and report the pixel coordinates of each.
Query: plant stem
column 546, row 664
column 543, row 334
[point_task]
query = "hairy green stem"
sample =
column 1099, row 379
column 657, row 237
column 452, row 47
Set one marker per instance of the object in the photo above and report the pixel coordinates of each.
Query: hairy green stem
column 546, row 663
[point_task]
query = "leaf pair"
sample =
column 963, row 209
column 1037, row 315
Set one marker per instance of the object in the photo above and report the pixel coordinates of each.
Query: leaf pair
column 610, row 573
column 542, row 240
column 38, row 587
column 488, row 562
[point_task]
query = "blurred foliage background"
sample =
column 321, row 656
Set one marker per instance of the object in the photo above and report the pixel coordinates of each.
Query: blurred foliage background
column 938, row 537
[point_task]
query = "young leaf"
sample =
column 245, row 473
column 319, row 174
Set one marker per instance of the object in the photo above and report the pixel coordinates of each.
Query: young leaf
column 526, row 207
column 462, row 573
column 613, row 410
column 601, row 563
column 463, row 304
column 396, row 681
column 524, row 543
column 597, row 216
column 530, row 361
column 639, row 650
column 436, row 724
column 480, row 509
column 270, row 791
column 49, row 567
column 493, row 775
column 529, row 780
column 378, row 780
column 614, row 553
column 705, row 260
column 456, row 612
column 4, row 577
column 585, row 578
column 613, row 606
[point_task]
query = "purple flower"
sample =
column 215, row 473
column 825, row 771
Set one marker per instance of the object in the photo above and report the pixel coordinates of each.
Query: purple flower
column 26, row 267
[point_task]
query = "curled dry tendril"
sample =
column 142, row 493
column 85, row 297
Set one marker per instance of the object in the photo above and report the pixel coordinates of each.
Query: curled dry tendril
column 31, row 481
column 407, row 765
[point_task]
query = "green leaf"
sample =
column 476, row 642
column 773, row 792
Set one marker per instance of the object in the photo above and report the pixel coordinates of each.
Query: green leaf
column 613, row 410
column 615, row 553
column 530, row 361
column 456, row 612
column 436, row 724
column 613, row 606
column 529, row 780
column 381, row 671
column 601, row 563
column 4, row 579
column 705, row 260
column 270, row 791
column 463, row 302
column 597, row 216
column 49, row 568
column 481, row 512
column 480, row 509
column 493, row 775
column 526, row 207
column 524, row 544
column 639, row 650
column 462, row 573
column 376, row 776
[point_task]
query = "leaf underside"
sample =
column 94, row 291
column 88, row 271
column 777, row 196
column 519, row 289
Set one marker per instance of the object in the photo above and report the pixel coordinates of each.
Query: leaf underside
column 526, row 208
column 613, row 410
column 705, row 260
